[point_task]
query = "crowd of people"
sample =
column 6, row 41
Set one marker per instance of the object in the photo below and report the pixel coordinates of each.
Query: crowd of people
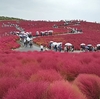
column 57, row 46
column 89, row 47
column 44, row 33
column 70, row 47
column 26, row 38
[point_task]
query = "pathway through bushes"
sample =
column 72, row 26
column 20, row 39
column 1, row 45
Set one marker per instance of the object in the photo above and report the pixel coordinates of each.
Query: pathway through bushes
column 24, row 48
column 35, row 47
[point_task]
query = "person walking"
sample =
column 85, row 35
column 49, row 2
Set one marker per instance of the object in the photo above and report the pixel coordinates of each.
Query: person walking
column 41, row 47
column 30, row 44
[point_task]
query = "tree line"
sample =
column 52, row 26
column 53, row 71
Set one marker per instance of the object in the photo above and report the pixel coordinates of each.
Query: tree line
column 9, row 18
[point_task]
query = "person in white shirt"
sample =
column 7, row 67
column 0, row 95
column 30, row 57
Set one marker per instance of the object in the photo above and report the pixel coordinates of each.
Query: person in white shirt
column 41, row 47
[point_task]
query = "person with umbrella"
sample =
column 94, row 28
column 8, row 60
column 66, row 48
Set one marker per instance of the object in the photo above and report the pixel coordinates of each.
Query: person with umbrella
column 68, row 46
column 82, row 46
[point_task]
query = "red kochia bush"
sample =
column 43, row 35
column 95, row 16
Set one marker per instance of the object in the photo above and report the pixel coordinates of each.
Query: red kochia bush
column 90, row 63
column 64, row 90
column 36, row 90
column 46, row 75
column 6, row 71
column 45, row 90
column 89, row 84
column 7, row 83
column 8, row 43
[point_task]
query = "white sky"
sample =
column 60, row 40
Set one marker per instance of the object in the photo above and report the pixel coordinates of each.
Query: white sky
column 88, row 10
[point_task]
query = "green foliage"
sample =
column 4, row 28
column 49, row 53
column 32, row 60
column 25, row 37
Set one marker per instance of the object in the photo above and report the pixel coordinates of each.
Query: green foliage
column 9, row 18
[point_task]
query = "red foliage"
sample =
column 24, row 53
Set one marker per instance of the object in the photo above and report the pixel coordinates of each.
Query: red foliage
column 46, row 70
column 35, row 90
column 8, row 43
column 64, row 90
column 7, row 83
column 46, row 75
column 90, row 35
column 89, row 85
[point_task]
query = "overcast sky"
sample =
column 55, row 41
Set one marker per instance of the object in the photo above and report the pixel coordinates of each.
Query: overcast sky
column 88, row 10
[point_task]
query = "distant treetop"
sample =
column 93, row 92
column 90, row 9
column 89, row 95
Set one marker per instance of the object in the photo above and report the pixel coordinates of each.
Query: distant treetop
column 9, row 18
